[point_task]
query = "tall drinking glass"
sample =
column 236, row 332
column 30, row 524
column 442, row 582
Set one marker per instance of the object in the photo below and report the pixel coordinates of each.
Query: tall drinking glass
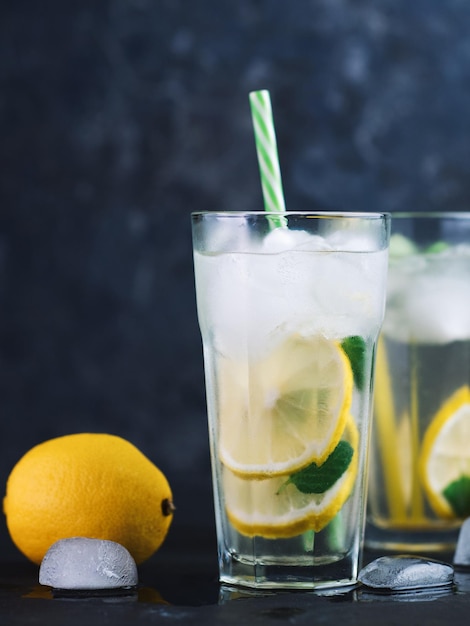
column 289, row 309
column 420, row 456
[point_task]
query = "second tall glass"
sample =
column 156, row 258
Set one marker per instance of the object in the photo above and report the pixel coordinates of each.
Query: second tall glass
column 420, row 461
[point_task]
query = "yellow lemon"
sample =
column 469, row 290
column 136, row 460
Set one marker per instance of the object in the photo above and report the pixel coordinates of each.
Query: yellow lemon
column 89, row 485
column 445, row 457
column 276, row 507
column 285, row 411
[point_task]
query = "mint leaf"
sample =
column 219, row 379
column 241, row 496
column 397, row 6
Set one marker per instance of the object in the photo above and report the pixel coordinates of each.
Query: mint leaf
column 401, row 246
column 457, row 494
column 319, row 478
column 437, row 247
column 355, row 349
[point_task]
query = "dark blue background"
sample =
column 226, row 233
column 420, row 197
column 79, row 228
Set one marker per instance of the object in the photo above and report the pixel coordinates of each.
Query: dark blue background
column 120, row 117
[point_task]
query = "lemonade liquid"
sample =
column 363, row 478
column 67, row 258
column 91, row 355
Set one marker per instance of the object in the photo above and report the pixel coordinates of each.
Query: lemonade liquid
column 250, row 303
column 423, row 358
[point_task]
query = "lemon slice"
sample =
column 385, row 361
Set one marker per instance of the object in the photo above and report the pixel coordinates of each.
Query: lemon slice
column 275, row 508
column 445, row 455
column 281, row 413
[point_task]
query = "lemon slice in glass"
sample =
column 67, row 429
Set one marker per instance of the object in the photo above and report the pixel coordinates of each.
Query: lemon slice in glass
column 282, row 412
column 445, row 457
column 276, row 508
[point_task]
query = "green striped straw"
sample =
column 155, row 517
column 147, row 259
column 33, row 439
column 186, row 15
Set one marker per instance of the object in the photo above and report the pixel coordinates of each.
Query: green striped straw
column 268, row 160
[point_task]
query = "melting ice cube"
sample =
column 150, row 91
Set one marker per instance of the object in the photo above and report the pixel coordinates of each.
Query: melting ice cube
column 462, row 551
column 405, row 573
column 80, row 563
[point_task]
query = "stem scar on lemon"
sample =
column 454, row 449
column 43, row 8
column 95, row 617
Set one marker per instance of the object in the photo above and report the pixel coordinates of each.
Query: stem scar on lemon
column 90, row 485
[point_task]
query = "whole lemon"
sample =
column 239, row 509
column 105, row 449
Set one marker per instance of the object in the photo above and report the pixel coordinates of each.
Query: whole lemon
column 88, row 485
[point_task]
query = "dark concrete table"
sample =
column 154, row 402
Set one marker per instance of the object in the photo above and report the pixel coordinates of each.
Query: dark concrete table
column 179, row 586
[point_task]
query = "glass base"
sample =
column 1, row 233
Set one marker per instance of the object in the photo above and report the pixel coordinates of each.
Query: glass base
column 418, row 540
column 255, row 575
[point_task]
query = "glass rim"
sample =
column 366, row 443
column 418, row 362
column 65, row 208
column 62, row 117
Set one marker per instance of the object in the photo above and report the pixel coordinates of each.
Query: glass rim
column 310, row 214
column 431, row 214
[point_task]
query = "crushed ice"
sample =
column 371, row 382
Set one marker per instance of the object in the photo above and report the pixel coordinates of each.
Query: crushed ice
column 258, row 299
column 80, row 563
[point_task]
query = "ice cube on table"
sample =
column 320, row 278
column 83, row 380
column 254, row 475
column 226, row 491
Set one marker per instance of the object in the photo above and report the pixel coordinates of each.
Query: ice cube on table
column 80, row 563
column 405, row 573
column 462, row 551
